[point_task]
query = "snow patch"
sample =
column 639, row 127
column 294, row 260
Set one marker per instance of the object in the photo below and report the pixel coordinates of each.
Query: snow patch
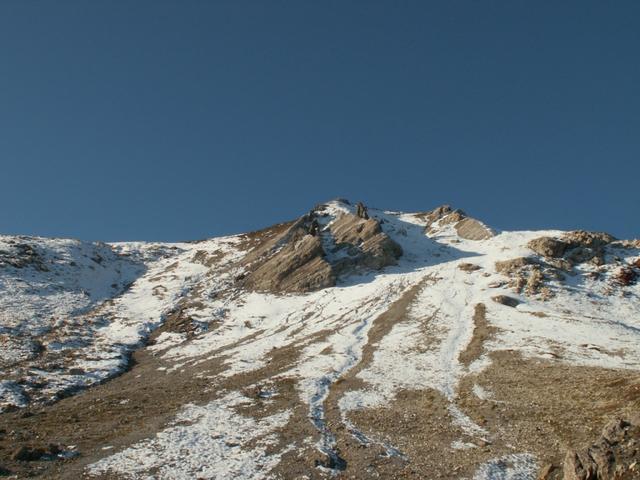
column 207, row 442
column 522, row 466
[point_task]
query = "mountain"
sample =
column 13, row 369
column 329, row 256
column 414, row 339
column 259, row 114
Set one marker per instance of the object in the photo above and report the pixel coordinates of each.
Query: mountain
column 350, row 343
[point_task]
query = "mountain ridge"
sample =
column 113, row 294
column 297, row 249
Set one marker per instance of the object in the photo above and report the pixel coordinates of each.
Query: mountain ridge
column 314, row 334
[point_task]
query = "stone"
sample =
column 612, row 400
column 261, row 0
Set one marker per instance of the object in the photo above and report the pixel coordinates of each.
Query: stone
column 626, row 276
column 468, row 267
column 506, row 300
column 28, row 454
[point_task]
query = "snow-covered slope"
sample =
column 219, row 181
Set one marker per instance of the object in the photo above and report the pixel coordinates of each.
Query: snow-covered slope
column 290, row 374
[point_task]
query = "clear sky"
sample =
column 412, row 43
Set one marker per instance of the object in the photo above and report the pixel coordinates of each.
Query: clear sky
column 168, row 120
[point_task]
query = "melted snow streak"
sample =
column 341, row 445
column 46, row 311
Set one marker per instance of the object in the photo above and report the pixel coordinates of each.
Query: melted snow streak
column 206, row 442
column 521, row 466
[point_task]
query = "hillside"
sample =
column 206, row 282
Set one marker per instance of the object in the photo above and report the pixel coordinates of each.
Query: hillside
column 349, row 343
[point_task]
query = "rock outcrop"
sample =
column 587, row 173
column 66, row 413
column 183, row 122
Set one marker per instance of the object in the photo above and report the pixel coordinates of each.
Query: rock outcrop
column 510, row 267
column 465, row 226
column 574, row 247
column 22, row 255
column 291, row 262
column 366, row 245
column 614, row 456
column 548, row 247
column 472, row 229
column 297, row 259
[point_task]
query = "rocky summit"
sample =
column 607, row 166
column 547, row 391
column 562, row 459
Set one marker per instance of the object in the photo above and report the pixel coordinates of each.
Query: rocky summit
column 350, row 342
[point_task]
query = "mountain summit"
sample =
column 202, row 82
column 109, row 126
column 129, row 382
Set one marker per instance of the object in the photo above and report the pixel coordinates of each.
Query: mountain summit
column 351, row 342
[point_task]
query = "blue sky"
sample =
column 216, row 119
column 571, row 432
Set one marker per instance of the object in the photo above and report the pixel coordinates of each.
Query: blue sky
column 156, row 120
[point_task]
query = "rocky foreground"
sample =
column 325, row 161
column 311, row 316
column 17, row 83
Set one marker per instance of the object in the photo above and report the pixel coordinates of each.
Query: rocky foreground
column 350, row 343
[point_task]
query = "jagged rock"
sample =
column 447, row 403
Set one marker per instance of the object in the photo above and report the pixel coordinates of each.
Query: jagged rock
column 349, row 229
column 295, row 260
column 436, row 214
column 361, row 211
column 582, row 238
column 368, row 245
column 626, row 276
column 4, row 472
column 453, row 218
column 466, row 227
column 472, row 229
column 298, row 267
column 506, row 300
column 574, row 247
column 534, row 281
column 614, row 456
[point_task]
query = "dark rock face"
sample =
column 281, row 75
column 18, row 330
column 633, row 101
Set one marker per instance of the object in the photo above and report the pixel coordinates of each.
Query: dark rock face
column 614, row 456
column 28, row 454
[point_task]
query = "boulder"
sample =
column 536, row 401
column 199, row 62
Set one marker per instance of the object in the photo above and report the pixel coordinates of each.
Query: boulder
column 468, row 267
column 626, row 276
column 506, row 300
column 28, row 454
